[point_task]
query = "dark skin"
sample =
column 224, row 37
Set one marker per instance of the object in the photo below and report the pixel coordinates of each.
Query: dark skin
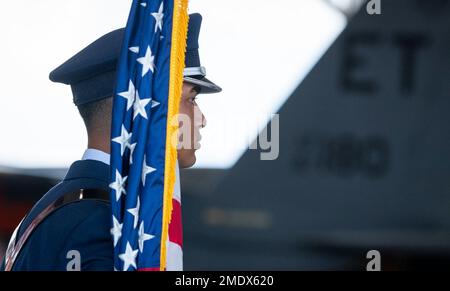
column 99, row 136
column 190, row 110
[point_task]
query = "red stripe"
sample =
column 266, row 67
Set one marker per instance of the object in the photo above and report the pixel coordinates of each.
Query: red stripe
column 148, row 270
column 176, row 227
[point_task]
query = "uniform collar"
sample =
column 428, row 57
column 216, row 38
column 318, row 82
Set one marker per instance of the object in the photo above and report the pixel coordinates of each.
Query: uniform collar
column 89, row 169
column 97, row 155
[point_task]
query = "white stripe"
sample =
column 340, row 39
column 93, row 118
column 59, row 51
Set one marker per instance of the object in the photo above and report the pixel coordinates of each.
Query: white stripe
column 174, row 259
column 177, row 188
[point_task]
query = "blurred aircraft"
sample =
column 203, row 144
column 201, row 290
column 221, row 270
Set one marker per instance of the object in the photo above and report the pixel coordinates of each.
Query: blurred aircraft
column 364, row 159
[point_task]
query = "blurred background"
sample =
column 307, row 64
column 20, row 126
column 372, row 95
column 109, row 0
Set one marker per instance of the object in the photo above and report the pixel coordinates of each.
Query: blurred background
column 362, row 94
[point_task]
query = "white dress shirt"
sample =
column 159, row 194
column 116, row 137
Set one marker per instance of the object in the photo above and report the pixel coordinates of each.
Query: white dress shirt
column 97, row 155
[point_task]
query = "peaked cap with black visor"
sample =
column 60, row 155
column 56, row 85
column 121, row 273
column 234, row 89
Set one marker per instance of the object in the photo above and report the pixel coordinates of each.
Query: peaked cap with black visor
column 92, row 72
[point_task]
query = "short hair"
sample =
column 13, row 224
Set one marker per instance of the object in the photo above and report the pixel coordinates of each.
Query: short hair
column 97, row 115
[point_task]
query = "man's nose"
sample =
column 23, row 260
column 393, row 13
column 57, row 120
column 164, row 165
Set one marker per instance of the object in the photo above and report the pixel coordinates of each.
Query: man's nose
column 203, row 121
column 199, row 118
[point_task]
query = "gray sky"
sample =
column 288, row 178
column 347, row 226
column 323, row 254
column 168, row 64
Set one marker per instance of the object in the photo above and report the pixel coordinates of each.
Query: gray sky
column 258, row 51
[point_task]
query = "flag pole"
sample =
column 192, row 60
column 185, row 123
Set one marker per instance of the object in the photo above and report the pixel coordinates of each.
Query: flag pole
column 177, row 64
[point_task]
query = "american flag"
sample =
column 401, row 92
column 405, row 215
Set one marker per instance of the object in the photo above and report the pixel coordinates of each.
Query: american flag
column 145, row 191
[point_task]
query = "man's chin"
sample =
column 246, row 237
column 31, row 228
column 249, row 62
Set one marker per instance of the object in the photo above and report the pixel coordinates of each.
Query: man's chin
column 186, row 160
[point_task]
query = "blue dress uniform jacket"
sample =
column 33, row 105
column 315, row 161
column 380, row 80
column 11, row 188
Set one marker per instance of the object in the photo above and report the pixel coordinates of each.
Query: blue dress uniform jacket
column 81, row 227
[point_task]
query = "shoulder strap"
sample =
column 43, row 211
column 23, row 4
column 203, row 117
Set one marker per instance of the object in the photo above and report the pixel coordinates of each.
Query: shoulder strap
column 16, row 243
